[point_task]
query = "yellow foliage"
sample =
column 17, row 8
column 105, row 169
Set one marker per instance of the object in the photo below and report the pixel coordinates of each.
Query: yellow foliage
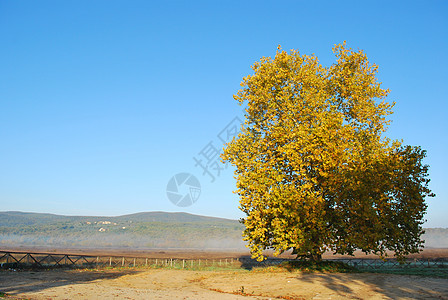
column 313, row 169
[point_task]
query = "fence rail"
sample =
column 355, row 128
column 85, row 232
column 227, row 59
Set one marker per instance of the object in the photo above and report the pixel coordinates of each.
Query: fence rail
column 395, row 264
column 10, row 259
column 49, row 260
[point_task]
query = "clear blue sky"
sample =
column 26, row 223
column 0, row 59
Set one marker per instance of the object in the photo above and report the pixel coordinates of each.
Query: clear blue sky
column 102, row 102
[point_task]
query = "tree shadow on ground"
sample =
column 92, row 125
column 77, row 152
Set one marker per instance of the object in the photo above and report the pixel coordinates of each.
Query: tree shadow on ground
column 389, row 285
column 336, row 282
column 351, row 283
column 248, row 263
column 16, row 282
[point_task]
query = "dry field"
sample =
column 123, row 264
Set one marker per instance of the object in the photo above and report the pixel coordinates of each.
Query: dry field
column 147, row 283
column 184, row 284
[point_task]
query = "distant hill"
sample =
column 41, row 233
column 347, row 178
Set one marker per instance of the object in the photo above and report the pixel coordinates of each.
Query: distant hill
column 155, row 230
column 17, row 218
column 140, row 230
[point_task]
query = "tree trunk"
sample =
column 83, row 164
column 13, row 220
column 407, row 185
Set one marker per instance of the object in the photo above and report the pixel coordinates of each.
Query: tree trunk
column 316, row 257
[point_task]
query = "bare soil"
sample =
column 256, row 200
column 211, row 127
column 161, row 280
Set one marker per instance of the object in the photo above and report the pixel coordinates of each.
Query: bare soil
column 185, row 284
column 229, row 284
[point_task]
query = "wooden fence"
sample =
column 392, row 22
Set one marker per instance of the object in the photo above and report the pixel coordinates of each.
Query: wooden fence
column 50, row 260
column 10, row 259
column 368, row 263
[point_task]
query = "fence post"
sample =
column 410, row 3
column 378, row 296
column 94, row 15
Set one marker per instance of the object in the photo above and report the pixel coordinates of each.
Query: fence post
column 122, row 262
column 134, row 262
column 146, row 262
column 183, row 263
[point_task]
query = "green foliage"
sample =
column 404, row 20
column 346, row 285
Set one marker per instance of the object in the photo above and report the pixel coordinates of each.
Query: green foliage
column 317, row 266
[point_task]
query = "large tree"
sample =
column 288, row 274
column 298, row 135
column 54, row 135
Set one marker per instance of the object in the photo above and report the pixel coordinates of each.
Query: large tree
column 314, row 170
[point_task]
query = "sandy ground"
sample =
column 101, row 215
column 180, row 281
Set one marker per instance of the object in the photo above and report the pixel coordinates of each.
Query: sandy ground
column 186, row 284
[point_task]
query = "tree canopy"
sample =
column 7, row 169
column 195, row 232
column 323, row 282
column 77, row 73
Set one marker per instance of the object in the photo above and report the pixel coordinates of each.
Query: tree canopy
column 314, row 170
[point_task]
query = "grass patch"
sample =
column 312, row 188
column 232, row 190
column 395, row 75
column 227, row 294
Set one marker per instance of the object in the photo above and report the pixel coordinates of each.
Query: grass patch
column 308, row 266
column 325, row 266
column 216, row 267
column 340, row 267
